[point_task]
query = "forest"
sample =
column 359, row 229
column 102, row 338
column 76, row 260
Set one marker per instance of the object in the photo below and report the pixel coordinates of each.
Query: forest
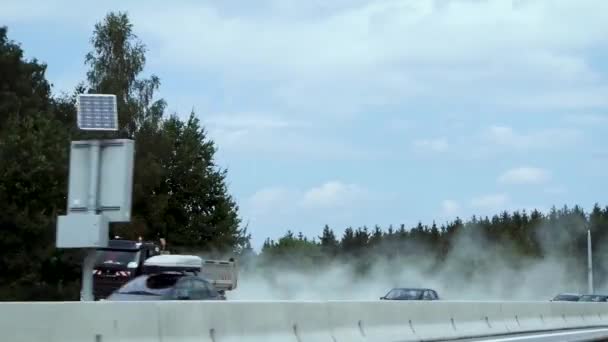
column 180, row 193
column 511, row 255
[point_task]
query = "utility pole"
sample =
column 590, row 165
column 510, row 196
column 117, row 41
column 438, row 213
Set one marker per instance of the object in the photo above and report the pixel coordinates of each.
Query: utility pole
column 589, row 263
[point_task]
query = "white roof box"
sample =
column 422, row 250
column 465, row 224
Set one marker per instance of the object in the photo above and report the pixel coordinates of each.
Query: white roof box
column 174, row 261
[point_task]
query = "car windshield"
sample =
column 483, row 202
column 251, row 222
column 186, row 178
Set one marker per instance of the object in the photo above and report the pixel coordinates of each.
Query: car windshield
column 567, row 297
column 592, row 298
column 116, row 257
column 404, row 294
column 155, row 285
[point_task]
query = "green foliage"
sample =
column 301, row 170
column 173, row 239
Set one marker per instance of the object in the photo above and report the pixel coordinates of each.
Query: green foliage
column 179, row 192
column 328, row 241
column 194, row 197
column 33, row 169
column 291, row 250
column 117, row 60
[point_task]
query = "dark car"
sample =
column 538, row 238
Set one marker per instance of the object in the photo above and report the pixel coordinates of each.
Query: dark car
column 566, row 297
column 410, row 294
column 167, row 286
column 593, row 298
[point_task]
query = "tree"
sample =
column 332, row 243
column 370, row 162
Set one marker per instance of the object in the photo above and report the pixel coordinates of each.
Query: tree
column 329, row 242
column 376, row 236
column 348, row 244
column 204, row 213
column 116, row 62
column 179, row 191
column 33, row 172
column 361, row 239
column 290, row 251
column 24, row 88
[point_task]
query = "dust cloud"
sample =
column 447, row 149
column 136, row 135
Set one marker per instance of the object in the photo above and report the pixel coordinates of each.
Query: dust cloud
column 473, row 269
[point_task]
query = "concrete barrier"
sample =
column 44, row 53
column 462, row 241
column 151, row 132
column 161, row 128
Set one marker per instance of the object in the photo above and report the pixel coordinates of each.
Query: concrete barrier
column 370, row 321
column 77, row 322
column 322, row 321
column 241, row 321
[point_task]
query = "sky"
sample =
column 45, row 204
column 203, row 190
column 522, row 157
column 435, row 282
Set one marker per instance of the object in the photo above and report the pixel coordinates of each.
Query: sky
column 360, row 112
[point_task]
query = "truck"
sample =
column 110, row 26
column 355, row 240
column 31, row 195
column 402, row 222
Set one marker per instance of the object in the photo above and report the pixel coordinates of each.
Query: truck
column 119, row 262
column 124, row 260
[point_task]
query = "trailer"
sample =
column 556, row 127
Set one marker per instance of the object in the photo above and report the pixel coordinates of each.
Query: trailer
column 223, row 274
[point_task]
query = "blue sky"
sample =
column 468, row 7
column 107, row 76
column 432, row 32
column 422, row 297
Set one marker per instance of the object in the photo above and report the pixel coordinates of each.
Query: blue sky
column 369, row 112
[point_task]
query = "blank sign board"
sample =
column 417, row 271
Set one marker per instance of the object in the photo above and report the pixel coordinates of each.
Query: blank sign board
column 115, row 178
column 82, row 231
column 97, row 112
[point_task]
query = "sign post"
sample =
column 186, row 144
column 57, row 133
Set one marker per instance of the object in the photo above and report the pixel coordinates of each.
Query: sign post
column 100, row 185
column 589, row 264
column 88, row 264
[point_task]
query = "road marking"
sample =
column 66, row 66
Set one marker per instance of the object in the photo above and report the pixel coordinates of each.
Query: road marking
column 522, row 338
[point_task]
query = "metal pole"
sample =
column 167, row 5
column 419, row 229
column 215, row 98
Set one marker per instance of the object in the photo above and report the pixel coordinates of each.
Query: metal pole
column 89, row 261
column 589, row 263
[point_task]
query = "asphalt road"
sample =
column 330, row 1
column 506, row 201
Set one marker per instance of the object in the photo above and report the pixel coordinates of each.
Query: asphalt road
column 590, row 334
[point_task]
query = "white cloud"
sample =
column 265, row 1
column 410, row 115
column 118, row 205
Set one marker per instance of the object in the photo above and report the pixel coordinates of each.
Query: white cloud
column 545, row 138
column 278, row 138
column 327, row 195
column 363, row 53
column 270, row 200
column 244, row 131
column 332, row 194
column 556, row 190
column 600, row 156
column 249, row 121
column 288, row 145
column 16, row 12
column 450, row 207
column 494, row 140
column 587, row 119
column 493, row 202
column 351, row 31
column 273, row 210
column 351, row 54
column 525, row 175
column 431, row 145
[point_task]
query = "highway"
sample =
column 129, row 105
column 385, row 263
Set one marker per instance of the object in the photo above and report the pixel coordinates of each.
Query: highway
column 593, row 334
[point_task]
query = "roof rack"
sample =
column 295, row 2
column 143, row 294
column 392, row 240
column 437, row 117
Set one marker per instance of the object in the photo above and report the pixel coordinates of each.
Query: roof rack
column 172, row 262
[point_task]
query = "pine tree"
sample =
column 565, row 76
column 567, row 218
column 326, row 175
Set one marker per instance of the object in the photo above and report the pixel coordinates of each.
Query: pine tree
column 376, row 236
column 347, row 244
column 329, row 243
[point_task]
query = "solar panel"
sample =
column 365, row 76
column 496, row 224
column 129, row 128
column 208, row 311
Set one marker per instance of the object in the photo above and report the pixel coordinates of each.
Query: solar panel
column 97, row 112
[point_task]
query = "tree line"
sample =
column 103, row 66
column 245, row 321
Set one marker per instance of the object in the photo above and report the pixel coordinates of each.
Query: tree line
column 510, row 240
